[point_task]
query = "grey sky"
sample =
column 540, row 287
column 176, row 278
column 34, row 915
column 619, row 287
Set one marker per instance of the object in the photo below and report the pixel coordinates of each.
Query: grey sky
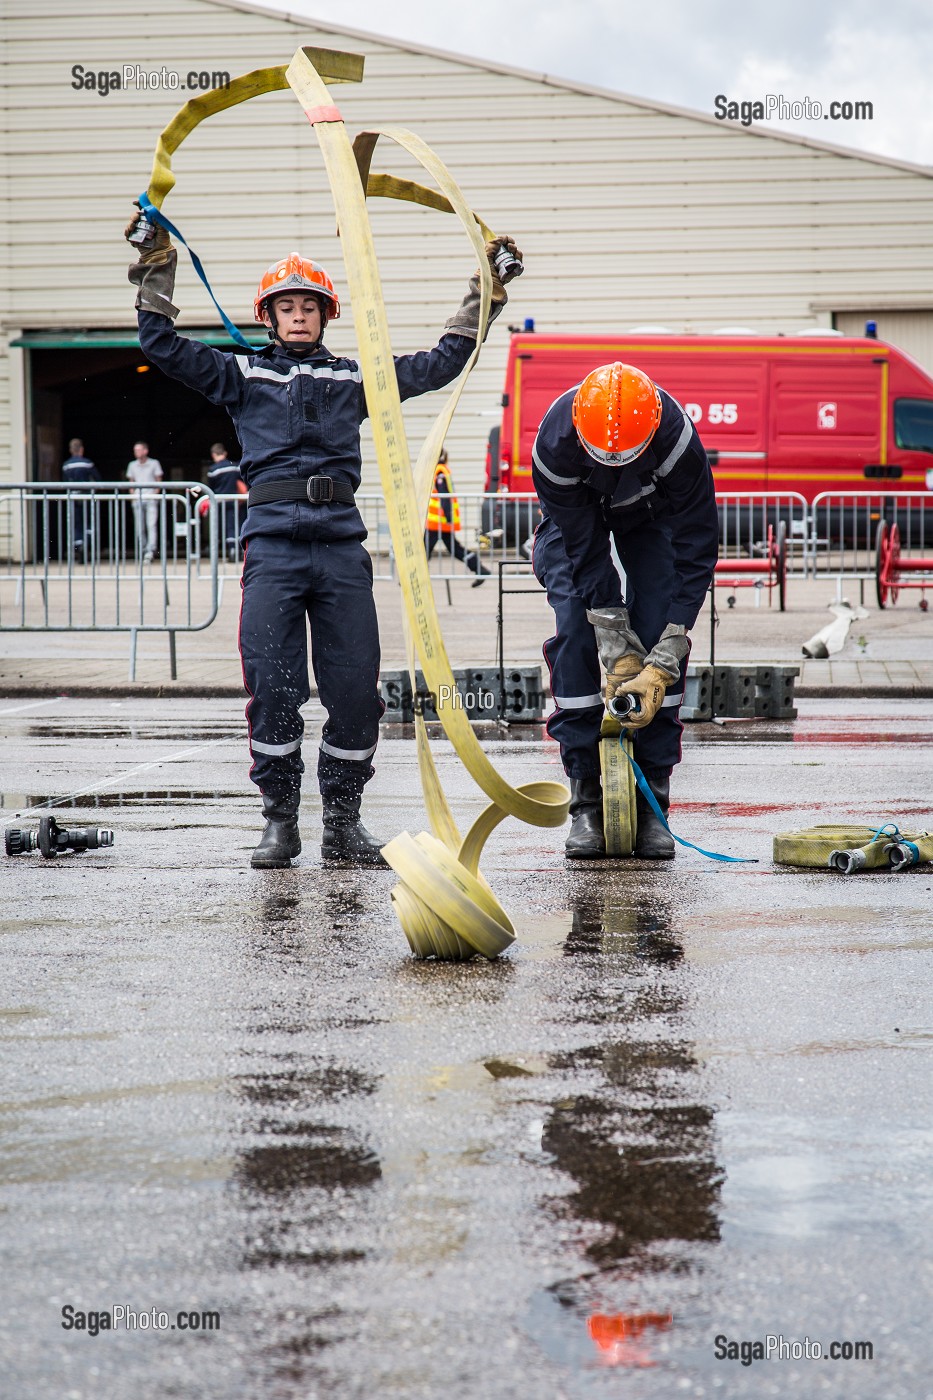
column 682, row 53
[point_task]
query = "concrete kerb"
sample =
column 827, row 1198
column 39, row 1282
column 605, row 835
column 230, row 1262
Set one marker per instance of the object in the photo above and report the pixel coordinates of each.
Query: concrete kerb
column 184, row 690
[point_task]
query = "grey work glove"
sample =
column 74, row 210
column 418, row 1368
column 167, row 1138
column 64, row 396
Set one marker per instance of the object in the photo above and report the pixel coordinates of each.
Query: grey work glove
column 620, row 648
column 154, row 273
column 465, row 320
column 670, row 651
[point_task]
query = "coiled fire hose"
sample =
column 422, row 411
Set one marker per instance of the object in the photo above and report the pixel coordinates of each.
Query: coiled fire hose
column 444, row 905
column 848, row 849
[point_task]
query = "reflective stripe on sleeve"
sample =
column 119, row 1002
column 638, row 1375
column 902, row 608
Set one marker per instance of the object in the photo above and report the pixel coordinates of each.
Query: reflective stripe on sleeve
column 353, row 755
column 670, row 701
column 677, row 451
column 552, row 476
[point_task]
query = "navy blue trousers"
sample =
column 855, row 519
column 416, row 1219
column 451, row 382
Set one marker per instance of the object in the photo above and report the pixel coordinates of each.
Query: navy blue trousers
column 285, row 582
column 573, row 660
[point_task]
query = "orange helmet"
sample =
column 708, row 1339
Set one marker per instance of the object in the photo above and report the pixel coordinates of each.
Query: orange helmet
column 616, row 412
column 297, row 274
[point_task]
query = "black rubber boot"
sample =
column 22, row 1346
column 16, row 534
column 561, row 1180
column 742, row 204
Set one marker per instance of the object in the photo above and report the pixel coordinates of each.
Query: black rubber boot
column 587, row 840
column 281, row 839
column 652, row 840
column 346, row 840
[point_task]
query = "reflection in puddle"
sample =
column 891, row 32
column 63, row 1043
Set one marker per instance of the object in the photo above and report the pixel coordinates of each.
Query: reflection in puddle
column 759, row 732
column 21, row 802
column 622, row 1339
column 154, row 733
column 639, row 1146
column 296, row 1087
column 304, row 1181
column 331, row 1161
column 647, row 1175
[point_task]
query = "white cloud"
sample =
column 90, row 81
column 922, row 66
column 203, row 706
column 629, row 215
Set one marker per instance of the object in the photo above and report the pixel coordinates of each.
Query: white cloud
column 685, row 53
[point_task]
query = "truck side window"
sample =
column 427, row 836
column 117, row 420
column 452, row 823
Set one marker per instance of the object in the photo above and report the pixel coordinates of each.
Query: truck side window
column 913, row 424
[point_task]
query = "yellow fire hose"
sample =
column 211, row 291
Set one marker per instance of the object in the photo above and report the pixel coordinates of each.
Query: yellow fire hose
column 848, row 849
column 443, row 903
column 619, row 819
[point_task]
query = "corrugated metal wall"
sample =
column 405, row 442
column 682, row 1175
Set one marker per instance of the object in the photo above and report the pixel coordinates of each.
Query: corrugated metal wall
column 626, row 213
column 911, row 330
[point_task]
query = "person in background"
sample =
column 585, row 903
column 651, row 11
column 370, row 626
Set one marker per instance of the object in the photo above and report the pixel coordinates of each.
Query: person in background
column 224, row 480
column 145, row 471
column 78, row 468
column 443, row 521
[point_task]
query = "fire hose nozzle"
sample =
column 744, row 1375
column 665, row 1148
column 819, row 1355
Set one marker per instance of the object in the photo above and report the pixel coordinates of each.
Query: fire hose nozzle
column 53, row 840
column 902, row 854
column 847, row 862
column 620, row 706
column 144, row 232
column 507, row 265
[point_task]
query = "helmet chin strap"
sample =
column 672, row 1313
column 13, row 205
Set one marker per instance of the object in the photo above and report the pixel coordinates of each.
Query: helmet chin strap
column 300, row 350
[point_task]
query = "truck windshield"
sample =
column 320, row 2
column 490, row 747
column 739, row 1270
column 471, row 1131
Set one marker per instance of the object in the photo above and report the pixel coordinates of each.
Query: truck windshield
column 913, row 424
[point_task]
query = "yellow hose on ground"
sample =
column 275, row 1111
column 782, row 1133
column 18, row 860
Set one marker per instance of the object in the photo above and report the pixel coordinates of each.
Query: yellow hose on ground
column 444, row 905
column 851, row 848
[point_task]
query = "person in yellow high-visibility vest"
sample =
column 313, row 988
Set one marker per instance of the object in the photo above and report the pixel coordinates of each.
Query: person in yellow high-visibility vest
column 443, row 521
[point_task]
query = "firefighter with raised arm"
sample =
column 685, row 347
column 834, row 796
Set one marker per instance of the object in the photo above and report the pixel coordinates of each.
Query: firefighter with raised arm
column 617, row 459
column 297, row 410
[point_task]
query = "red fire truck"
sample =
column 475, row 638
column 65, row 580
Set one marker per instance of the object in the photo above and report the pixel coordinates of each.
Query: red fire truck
column 805, row 413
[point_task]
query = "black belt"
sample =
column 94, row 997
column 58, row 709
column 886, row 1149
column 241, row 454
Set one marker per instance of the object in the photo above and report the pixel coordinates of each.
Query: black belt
column 316, row 489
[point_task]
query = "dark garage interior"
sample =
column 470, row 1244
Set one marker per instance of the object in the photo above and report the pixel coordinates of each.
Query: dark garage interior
column 102, row 390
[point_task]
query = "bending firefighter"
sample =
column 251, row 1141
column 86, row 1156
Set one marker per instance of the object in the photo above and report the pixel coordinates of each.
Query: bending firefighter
column 297, row 410
column 617, row 459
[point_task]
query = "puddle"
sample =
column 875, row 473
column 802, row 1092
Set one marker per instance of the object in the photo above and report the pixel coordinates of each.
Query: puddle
column 22, row 802
column 163, row 734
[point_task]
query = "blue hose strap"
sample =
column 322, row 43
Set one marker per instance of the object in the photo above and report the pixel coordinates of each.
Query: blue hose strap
column 652, row 801
column 156, row 216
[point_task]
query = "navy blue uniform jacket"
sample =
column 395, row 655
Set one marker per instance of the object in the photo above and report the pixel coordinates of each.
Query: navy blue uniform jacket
column 80, row 469
column 224, row 477
column 294, row 417
column 670, row 482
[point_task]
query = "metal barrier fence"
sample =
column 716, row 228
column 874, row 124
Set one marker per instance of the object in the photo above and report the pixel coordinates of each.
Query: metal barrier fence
column 117, row 557
column 847, row 530
column 107, row 557
column 746, row 516
column 488, row 528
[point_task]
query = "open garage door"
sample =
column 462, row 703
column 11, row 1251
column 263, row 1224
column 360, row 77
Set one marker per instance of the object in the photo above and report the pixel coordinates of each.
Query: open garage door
column 97, row 386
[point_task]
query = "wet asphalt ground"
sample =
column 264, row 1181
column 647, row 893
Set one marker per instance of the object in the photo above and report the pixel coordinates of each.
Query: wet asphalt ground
column 690, row 1102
